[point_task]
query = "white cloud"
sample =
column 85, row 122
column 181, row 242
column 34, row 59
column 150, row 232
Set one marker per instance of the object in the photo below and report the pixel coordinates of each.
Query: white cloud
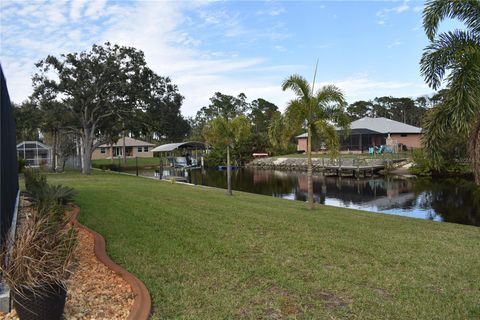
column 417, row 8
column 394, row 44
column 363, row 87
column 384, row 14
column 153, row 27
column 76, row 9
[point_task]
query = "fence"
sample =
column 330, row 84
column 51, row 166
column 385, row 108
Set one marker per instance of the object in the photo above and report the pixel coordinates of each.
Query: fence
column 8, row 162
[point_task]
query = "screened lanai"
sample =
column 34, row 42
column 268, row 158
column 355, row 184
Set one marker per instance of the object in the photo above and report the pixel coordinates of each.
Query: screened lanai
column 34, row 153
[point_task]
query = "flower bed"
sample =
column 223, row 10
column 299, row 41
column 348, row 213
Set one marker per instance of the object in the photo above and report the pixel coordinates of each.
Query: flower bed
column 94, row 291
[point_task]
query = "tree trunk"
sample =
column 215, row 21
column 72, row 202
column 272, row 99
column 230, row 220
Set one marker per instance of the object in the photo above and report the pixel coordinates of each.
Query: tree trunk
column 87, row 148
column 309, row 169
column 80, row 147
column 474, row 150
column 87, row 159
column 229, row 181
column 124, row 149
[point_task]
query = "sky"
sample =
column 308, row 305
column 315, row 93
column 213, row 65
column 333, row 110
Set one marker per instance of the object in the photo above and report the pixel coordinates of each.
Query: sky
column 368, row 49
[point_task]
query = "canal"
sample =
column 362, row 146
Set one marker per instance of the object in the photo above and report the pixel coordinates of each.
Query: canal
column 450, row 200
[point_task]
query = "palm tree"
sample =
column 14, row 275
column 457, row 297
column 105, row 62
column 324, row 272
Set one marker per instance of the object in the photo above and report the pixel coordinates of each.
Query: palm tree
column 453, row 58
column 225, row 133
column 317, row 113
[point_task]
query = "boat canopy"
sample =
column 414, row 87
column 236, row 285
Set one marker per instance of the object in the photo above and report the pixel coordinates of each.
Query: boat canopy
column 189, row 145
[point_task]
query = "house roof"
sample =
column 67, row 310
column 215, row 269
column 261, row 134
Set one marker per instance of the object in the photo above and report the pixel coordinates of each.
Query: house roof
column 129, row 142
column 182, row 145
column 378, row 125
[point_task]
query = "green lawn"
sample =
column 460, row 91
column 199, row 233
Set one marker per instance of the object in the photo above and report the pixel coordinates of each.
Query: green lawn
column 130, row 162
column 205, row 255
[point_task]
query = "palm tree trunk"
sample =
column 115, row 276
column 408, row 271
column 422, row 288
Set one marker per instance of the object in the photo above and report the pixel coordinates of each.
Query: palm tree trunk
column 229, row 181
column 475, row 150
column 309, row 169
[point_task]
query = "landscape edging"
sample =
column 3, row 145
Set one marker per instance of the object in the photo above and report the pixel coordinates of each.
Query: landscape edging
column 142, row 302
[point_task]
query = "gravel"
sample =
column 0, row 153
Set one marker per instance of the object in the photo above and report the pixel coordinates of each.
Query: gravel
column 94, row 291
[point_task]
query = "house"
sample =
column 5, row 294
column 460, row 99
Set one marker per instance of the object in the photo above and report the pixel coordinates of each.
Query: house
column 368, row 132
column 133, row 148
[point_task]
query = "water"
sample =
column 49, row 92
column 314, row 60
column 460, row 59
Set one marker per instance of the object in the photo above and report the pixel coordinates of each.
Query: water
column 450, row 200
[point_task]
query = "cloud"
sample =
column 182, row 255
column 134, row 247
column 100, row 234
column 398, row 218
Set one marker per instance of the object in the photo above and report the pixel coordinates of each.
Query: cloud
column 160, row 29
column 384, row 14
column 363, row 87
column 394, row 44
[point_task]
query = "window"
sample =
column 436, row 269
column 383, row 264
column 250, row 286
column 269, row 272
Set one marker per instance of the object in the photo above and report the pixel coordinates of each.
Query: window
column 404, row 135
column 139, row 149
column 102, row 150
column 145, row 149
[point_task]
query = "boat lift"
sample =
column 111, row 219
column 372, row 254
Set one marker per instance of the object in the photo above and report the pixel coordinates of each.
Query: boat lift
column 183, row 156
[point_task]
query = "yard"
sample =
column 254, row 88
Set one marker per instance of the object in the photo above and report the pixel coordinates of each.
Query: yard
column 130, row 162
column 205, row 255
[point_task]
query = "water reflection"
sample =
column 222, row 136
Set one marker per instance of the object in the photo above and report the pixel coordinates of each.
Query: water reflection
column 452, row 200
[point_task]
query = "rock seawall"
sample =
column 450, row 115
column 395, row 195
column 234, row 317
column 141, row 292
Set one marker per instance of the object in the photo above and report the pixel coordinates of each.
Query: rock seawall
column 321, row 164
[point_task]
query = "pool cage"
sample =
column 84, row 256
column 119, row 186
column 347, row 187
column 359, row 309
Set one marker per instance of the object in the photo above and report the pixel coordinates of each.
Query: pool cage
column 34, row 153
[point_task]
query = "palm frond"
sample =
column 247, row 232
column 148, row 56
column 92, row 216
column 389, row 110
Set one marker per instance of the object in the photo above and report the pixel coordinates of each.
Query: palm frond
column 435, row 127
column 435, row 11
column 296, row 114
column 297, row 84
column 328, row 133
column 449, row 50
column 330, row 94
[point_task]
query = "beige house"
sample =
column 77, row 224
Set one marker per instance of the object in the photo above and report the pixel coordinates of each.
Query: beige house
column 370, row 132
column 133, row 148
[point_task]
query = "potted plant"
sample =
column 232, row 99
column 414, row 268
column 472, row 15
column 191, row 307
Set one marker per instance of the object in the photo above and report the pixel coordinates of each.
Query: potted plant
column 36, row 264
column 36, row 267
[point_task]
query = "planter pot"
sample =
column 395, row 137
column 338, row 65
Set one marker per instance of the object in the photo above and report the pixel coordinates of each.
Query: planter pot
column 44, row 304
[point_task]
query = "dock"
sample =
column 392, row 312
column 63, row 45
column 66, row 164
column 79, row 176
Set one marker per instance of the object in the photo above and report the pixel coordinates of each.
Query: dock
column 356, row 167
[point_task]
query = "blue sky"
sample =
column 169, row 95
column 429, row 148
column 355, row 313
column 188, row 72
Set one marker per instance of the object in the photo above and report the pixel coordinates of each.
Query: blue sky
column 368, row 49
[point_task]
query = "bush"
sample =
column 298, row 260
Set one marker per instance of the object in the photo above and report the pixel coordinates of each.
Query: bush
column 423, row 166
column 40, row 256
column 51, row 197
column 33, row 179
column 21, row 165
column 216, row 157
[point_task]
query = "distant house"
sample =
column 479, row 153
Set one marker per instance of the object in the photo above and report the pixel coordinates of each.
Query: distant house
column 133, row 148
column 368, row 132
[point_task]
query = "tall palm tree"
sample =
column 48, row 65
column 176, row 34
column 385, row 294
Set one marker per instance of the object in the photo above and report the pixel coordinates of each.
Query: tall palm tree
column 453, row 58
column 317, row 112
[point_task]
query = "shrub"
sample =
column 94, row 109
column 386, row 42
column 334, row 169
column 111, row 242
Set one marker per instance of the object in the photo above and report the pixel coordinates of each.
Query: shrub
column 423, row 166
column 33, row 179
column 40, row 256
column 51, row 197
column 21, row 165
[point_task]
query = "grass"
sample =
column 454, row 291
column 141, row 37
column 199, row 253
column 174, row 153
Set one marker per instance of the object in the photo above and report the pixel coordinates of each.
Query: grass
column 205, row 255
column 130, row 161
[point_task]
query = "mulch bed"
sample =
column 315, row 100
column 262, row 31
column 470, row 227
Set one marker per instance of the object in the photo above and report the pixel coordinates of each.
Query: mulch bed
column 94, row 291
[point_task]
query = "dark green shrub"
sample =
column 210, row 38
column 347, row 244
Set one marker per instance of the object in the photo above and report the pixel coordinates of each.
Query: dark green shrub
column 45, row 193
column 423, row 166
column 21, row 165
column 33, row 179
